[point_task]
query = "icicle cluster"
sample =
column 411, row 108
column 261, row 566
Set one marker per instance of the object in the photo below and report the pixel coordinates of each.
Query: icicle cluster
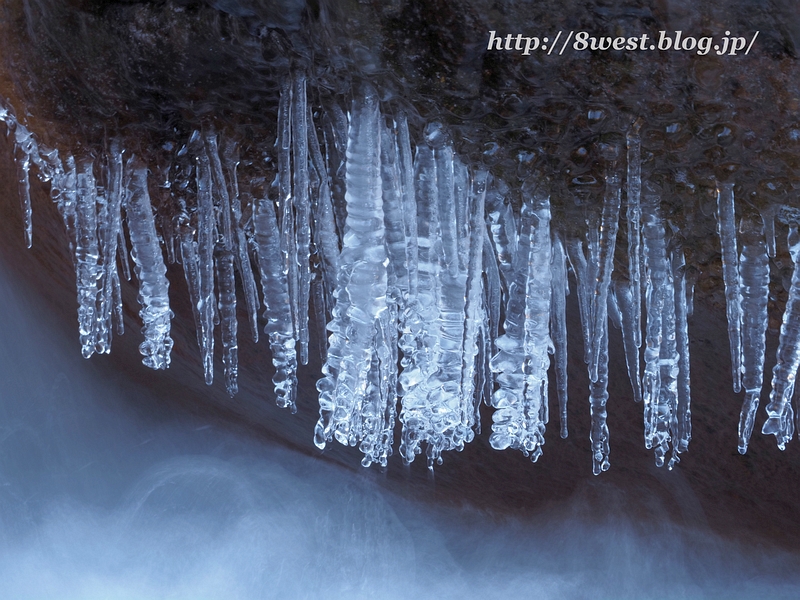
column 437, row 286
column 522, row 360
column 90, row 194
column 746, row 278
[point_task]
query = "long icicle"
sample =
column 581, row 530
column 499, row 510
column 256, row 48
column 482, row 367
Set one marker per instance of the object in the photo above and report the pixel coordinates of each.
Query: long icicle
column 277, row 310
column 780, row 414
column 754, row 274
column 420, row 339
column 150, row 270
column 655, row 421
column 206, row 239
column 114, row 190
column 102, row 323
column 634, row 217
column 223, row 262
column 598, row 397
column 726, row 227
column 301, row 203
column 609, row 224
column 23, row 169
column 683, row 417
column 326, row 240
column 474, row 306
column 558, row 327
column 242, row 256
column 665, row 415
column 286, row 222
column 87, row 255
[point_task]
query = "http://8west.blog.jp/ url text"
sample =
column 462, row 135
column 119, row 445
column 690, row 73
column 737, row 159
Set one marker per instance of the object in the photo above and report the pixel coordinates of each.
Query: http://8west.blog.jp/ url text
column 583, row 41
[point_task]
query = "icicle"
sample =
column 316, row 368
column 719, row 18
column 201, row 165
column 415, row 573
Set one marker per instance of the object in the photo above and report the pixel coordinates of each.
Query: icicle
column 664, row 414
column 227, row 315
column 26, row 144
column 45, row 159
column 522, row 360
column 754, row 274
column 102, row 323
column 474, row 235
column 683, row 416
column 114, row 189
column 150, row 271
column 656, row 420
column 361, row 291
column 420, row 337
column 223, row 261
column 558, row 326
column 206, row 240
column 300, row 201
column 598, row 397
column 109, row 223
column 449, row 431
column 726, row 227
column 87, row 256
column 780, row 415
column 326, row 239
column 242, row 255
column 286, row 198
column 23, row 167
column 622, row 302
column 381, row 403
column 634, row 215
column 277, row 309
column 604, row 256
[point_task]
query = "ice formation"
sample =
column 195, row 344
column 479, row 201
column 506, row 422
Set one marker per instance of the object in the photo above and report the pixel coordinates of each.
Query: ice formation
column 439, row 287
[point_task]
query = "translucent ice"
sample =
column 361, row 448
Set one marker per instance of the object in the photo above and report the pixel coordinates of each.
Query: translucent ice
column 361, row 287
column 150, row 270
column 522, row 360
column 780, row 414
column 726, row 226
column 277, row 310
column 754, row 274
column 558, row 327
